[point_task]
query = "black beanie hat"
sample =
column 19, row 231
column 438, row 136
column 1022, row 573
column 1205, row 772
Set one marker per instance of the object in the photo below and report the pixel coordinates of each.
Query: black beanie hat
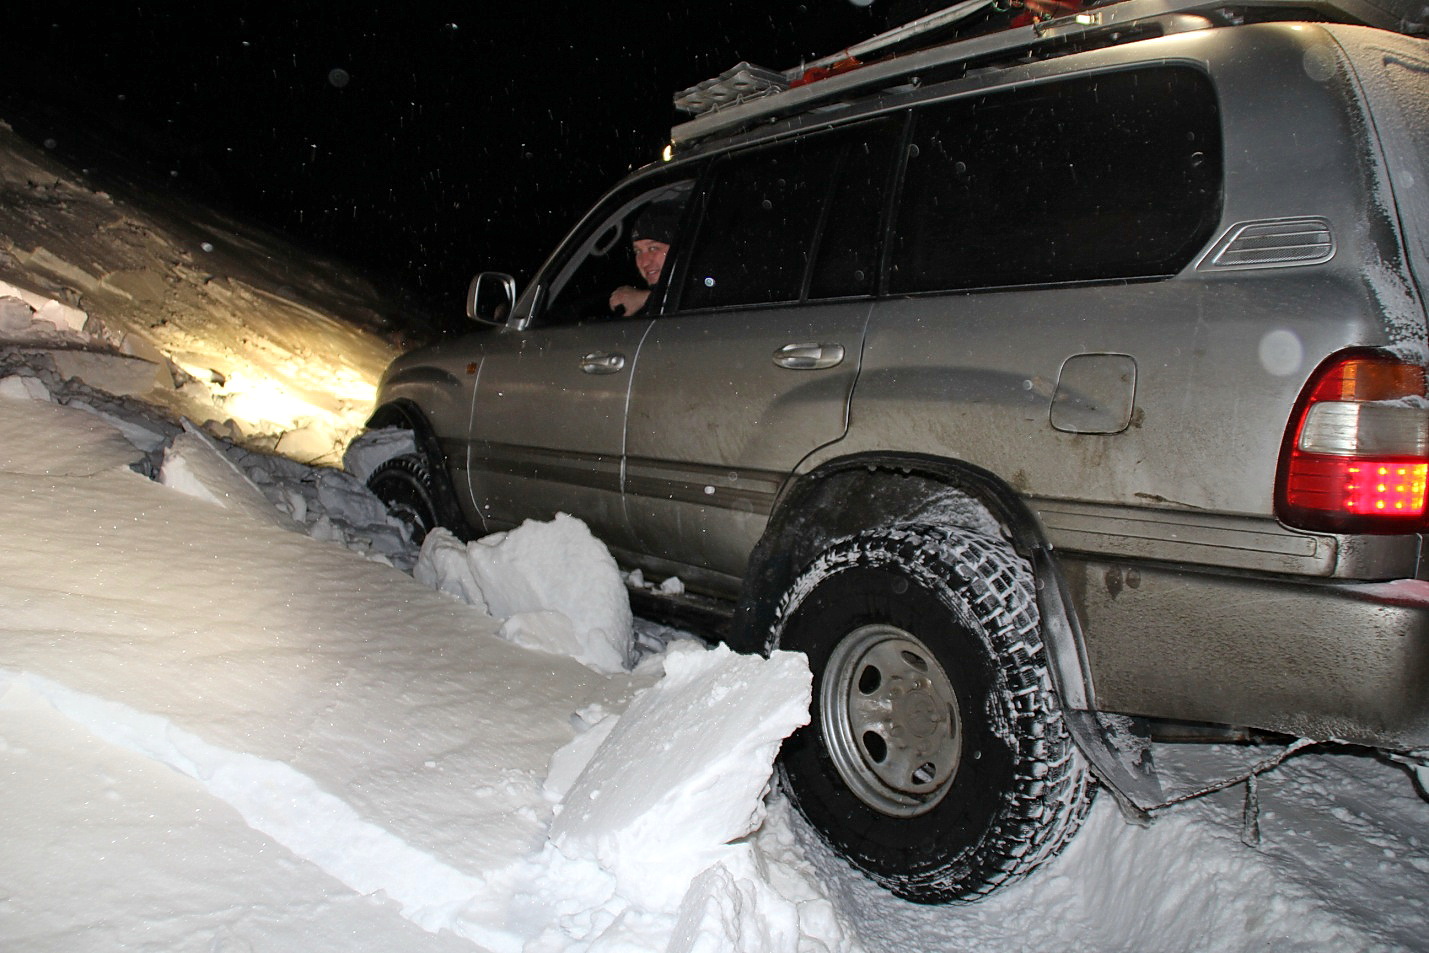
column 657, row 221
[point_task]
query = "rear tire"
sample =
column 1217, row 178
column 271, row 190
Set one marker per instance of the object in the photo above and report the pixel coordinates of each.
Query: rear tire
column 936, row 759
column 404, row 485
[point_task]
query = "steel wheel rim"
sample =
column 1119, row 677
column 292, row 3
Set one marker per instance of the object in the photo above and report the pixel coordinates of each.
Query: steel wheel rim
column 890, row 720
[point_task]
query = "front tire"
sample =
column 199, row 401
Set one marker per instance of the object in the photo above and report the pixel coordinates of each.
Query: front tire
column 936, row 759
column 404, row 485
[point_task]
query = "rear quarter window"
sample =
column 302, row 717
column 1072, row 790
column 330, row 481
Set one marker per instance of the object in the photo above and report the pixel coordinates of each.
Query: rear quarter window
column 1105, row 176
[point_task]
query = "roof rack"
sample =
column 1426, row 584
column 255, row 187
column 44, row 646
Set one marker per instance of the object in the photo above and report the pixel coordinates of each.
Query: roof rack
column 746, row 81
column 746, row 93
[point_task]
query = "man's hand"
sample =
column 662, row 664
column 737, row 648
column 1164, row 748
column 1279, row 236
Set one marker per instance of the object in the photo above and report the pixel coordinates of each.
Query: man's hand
column 628, row 300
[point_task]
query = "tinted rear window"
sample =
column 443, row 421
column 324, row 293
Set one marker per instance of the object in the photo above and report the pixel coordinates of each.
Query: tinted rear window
column 1108, row 176
column 792, row 221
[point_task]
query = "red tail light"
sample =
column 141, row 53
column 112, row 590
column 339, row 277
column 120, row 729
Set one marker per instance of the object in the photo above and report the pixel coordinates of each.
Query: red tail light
column 1356, row 456
column 815, row 73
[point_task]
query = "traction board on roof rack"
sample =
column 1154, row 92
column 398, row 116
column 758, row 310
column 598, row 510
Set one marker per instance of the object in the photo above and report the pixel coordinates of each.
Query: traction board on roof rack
column 747, row 93
column 747, row 81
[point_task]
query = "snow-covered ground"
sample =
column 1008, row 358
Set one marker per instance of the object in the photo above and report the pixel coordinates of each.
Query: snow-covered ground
column 231, row 721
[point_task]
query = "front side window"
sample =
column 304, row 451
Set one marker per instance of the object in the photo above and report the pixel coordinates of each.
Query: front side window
column 614, row 266
column 1106, row 176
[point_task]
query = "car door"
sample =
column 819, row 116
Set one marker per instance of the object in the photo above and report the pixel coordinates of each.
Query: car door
column 548, row 414
column 755, row 366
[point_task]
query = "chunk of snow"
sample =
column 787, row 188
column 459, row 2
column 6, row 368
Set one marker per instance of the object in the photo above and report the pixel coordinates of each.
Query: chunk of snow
column 332, row 504
column 15, row 314
column 552, row 567
column 22, row 387
column 339, row 494
column 139, row 435
column 21, row 309
column 116, row 374
column 310, row 440
column 443, row 566
column 193, row 465
column 570, row 760
column 34, row 300
column 729, row 908
column 684, row 771
column 651, row 850
column 544, row 630
column 62, row 316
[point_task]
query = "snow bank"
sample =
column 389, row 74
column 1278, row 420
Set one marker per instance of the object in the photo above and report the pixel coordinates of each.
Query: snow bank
column 646, row 844
column 45, row 438
column 275, row 800
column 273, row 673
column 221, row 324
column 555, row 585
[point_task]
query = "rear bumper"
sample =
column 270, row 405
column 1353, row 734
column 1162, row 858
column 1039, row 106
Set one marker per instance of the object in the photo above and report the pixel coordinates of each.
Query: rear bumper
column 1314, row 658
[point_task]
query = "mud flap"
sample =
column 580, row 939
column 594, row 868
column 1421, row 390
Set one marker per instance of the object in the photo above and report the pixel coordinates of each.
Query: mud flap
column 1119, row 753
column 1121, row 760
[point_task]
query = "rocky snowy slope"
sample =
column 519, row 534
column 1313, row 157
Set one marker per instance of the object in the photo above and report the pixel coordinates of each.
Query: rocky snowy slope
column 230, row 327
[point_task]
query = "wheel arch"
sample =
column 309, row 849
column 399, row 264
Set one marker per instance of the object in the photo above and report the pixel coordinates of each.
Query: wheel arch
column 868, row 491
column 408, row 415
column 872, row 490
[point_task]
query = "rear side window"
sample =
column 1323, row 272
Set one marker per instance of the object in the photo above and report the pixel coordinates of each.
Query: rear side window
column 792, row 221
column 1109, row 176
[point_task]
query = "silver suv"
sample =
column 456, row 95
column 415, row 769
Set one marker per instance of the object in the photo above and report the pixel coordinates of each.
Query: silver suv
column 1025, row 381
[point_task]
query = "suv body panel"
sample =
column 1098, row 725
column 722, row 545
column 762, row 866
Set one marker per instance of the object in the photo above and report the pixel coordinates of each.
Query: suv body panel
column 1341, row 661
column 1137, row 423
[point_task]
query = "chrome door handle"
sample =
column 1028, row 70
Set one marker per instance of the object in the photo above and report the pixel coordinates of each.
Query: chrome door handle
column 809, row 357
column 597, row 363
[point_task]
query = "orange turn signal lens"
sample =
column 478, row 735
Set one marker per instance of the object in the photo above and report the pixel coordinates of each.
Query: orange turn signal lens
column 1370, row 379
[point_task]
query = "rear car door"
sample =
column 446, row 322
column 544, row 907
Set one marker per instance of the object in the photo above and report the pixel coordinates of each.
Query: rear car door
column 754, row 366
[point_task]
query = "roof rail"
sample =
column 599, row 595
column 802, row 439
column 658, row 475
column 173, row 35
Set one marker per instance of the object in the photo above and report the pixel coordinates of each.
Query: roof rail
column 746, row 93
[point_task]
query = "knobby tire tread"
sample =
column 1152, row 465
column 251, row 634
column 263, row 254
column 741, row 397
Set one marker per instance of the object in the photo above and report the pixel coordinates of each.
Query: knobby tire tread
column 1050, row 792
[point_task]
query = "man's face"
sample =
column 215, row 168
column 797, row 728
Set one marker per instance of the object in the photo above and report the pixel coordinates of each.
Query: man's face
column 650, row 259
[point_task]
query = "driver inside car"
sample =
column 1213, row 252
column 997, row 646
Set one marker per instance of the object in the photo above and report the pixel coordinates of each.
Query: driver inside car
column 650, row 239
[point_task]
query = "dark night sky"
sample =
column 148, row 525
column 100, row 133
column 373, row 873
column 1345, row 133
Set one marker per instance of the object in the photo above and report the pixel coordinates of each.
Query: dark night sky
column 458, row 136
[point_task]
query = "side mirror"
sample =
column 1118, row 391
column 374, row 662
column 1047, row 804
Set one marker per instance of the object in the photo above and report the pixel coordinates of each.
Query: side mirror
column 491, row 297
